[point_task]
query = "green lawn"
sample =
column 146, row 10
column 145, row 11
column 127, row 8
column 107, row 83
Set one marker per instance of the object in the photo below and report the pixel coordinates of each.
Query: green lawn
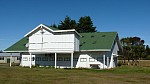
column 120, row 75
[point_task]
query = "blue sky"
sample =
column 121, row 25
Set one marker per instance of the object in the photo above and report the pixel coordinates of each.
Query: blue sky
column 127, row 17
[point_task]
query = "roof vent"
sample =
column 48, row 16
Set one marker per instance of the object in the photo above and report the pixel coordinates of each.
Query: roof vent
column 84, row 42
column 94, row 42
column 92, row 36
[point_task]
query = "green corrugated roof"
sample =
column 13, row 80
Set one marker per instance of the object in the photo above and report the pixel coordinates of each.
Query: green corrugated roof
column 97, row 40
column 88, row 41
column 19, row 46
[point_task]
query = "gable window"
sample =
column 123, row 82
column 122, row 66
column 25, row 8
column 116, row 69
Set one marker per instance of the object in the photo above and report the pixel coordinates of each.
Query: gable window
column 83, row 59
column 91, row 59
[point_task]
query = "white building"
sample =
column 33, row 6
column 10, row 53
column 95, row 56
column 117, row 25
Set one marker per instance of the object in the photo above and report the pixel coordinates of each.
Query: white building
column 9, row 57
column 47, row 46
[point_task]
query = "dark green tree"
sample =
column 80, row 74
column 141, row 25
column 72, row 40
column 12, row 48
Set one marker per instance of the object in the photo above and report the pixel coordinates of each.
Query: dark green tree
column 147, row 50
column 85, row 25
column 67, row 24
column 54, row 26
column 134, row 49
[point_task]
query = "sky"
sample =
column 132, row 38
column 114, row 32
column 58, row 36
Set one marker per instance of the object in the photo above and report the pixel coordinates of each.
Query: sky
column 127, row 17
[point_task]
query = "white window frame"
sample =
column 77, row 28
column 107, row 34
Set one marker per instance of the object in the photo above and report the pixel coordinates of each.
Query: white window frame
column 83, row 59
column 91, row 59
column 25, row 58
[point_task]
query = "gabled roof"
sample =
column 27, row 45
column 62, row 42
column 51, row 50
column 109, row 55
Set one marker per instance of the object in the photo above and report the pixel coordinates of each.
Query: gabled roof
column 50, row 29
column 98, row 41
column 19, row 46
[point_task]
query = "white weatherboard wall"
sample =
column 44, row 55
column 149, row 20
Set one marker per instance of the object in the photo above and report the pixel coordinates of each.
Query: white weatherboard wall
column 25, row 61
column 51, row 42
column 113, row 63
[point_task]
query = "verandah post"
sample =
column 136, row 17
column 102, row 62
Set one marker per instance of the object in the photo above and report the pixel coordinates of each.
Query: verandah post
column 103, row 61
column 30, row 60
column 55, row 60
column 10, row 59
column 71, row 60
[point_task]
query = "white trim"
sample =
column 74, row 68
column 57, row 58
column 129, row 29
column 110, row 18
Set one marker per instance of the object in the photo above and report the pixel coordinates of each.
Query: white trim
column 15, row 51
column 69, row 30
column 37, row 28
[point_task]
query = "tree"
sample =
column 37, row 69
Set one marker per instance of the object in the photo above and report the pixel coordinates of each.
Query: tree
column 85, row 25
column 67, row 24
column 134, row 49
column 147, row 50
column 54, row 26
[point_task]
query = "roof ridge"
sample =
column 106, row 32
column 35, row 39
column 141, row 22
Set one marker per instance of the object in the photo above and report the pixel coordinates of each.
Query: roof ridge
column 97, row 32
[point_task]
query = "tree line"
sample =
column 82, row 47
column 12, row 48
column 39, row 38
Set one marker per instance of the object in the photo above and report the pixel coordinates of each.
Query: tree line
column 134, row 49
column 84, row 24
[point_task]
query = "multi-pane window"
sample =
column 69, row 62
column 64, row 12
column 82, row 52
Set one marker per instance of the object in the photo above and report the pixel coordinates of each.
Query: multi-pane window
column 67, row 59
column 25, row 58
column 44, row 58
column 38, row 58
column 59, row 59
column 75, row 59
column 83, row 59
column 91, row 59
column 51, row 58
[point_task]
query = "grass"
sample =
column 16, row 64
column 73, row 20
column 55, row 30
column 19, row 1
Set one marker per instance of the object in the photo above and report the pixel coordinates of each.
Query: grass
column 119, row 75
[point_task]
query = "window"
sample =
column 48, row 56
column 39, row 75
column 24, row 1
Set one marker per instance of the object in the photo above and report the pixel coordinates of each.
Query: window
column 1, row 58
column 38, row 58
column 99, row 59
column 83, row 59
column 91, row 59
column 51, row 58
column 25, row 58
column 59, row 59
column 67, row 59
column 44, row 58
column 75, row 59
